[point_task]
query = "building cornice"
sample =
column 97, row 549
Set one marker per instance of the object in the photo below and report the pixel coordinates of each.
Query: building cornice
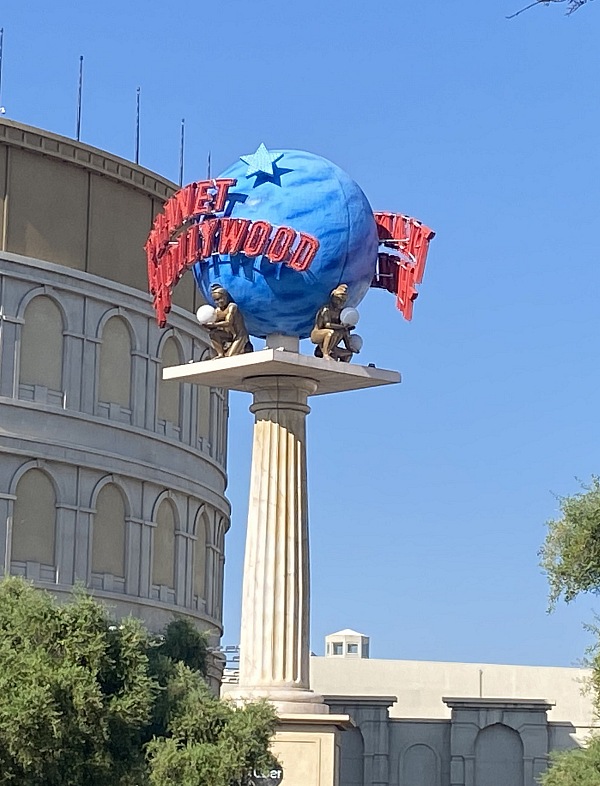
column 497, row 703
column 348, row 698
column 92, row 159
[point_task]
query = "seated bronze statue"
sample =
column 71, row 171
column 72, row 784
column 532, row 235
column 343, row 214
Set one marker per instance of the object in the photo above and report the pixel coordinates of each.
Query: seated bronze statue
column 227, row 331
column 329, row 334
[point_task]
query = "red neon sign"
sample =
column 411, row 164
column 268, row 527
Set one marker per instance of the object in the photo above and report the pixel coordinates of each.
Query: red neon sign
column 189, row 231
column 400, row 272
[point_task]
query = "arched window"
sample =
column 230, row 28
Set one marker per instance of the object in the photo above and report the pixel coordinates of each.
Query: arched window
column 114, row 384
column 498, row 757
column 34, row 522
column 41, row 356
column 169, row 394
column 163, row 556
column 108, row 541
column 200, row 548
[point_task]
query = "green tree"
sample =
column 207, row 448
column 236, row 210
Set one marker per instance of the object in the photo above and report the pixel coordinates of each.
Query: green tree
column 570, row 557
column 571, row 553
column 575, row 768
column 85, row 701
column 208, row 741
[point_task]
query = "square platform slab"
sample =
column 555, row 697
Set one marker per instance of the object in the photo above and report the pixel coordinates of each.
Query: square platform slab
column 233, row 373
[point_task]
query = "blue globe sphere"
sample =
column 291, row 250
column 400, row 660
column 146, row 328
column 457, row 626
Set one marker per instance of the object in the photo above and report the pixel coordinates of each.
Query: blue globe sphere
column 311, row 195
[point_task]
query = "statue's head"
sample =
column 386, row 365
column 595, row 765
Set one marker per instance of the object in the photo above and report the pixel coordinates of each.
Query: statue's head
column 339, row 295
column 220, row 295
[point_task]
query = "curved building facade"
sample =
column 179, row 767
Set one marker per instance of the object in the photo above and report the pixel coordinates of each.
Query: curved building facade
column 108, row 476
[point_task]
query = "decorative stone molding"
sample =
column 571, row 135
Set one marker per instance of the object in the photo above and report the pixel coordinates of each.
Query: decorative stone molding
column 371, row 716
column 527, row 717
column 85, row 157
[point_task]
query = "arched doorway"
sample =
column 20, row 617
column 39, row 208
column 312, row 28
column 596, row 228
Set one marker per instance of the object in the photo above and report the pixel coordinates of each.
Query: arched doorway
column 498, row 757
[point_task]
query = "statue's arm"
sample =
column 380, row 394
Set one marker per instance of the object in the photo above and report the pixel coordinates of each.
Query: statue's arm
column 229, row 315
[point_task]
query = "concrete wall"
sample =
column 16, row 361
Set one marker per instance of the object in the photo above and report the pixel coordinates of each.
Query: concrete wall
column 484, row 742
column 421, row 685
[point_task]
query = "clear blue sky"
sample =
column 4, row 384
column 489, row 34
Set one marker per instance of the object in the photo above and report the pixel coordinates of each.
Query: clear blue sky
column 428, row 500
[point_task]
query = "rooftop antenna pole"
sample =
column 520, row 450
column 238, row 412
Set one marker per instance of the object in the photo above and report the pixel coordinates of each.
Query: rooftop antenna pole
column 137, row 127
column 79, row 94
column 2, row 109
column 208, row 167
column 181, row 149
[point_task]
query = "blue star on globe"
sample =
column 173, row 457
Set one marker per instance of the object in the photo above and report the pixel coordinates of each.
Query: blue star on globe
column 261, row 162
column 315, row 197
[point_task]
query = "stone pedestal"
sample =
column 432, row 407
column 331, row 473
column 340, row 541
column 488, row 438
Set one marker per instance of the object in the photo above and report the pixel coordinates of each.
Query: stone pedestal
column 308, row 748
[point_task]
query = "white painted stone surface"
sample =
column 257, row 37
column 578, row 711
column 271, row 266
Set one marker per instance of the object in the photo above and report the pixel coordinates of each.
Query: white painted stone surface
column 274, row 650
column 237, row 373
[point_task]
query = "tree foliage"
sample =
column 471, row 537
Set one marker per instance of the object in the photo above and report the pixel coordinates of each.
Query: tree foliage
column 571, row 552
column 208, row 741
column 574, row 768
column 85, row 701
column 571, row 558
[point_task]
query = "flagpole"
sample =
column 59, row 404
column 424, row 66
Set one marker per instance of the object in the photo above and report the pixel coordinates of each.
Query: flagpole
column 79, row 96
column 181, row 151
column 2, row 109
column 137, row 127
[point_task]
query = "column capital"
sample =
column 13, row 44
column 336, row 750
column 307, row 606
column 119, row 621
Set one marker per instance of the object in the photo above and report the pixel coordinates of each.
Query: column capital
column 279, row 392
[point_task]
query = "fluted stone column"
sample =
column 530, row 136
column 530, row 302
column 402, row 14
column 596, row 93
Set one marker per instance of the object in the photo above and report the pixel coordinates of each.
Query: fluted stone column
column 274, row 645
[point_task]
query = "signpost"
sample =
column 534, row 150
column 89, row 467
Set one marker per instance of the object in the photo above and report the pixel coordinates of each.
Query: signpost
column 319, row 253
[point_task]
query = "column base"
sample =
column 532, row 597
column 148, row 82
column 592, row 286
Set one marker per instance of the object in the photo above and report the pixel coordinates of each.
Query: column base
column 287, row 701
column 308, row 748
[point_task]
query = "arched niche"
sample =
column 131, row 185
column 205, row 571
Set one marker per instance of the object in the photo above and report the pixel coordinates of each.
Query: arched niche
column 41, row 353
column 34, row 521
column 498, row 757
column 163, row 552
column 114, row 382
column 169, row 391
column 419, row 766
column 202, row 531
column 109, row 539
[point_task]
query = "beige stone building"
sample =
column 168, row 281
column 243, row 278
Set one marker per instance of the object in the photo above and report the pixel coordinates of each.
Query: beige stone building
column 108, row 476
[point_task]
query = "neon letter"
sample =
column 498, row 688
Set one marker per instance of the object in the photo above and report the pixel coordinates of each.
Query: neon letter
column 232, row 234
column 257, row 238
column 220, row 197
column 304, row 253
column 281, row 244
column 208, row 230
